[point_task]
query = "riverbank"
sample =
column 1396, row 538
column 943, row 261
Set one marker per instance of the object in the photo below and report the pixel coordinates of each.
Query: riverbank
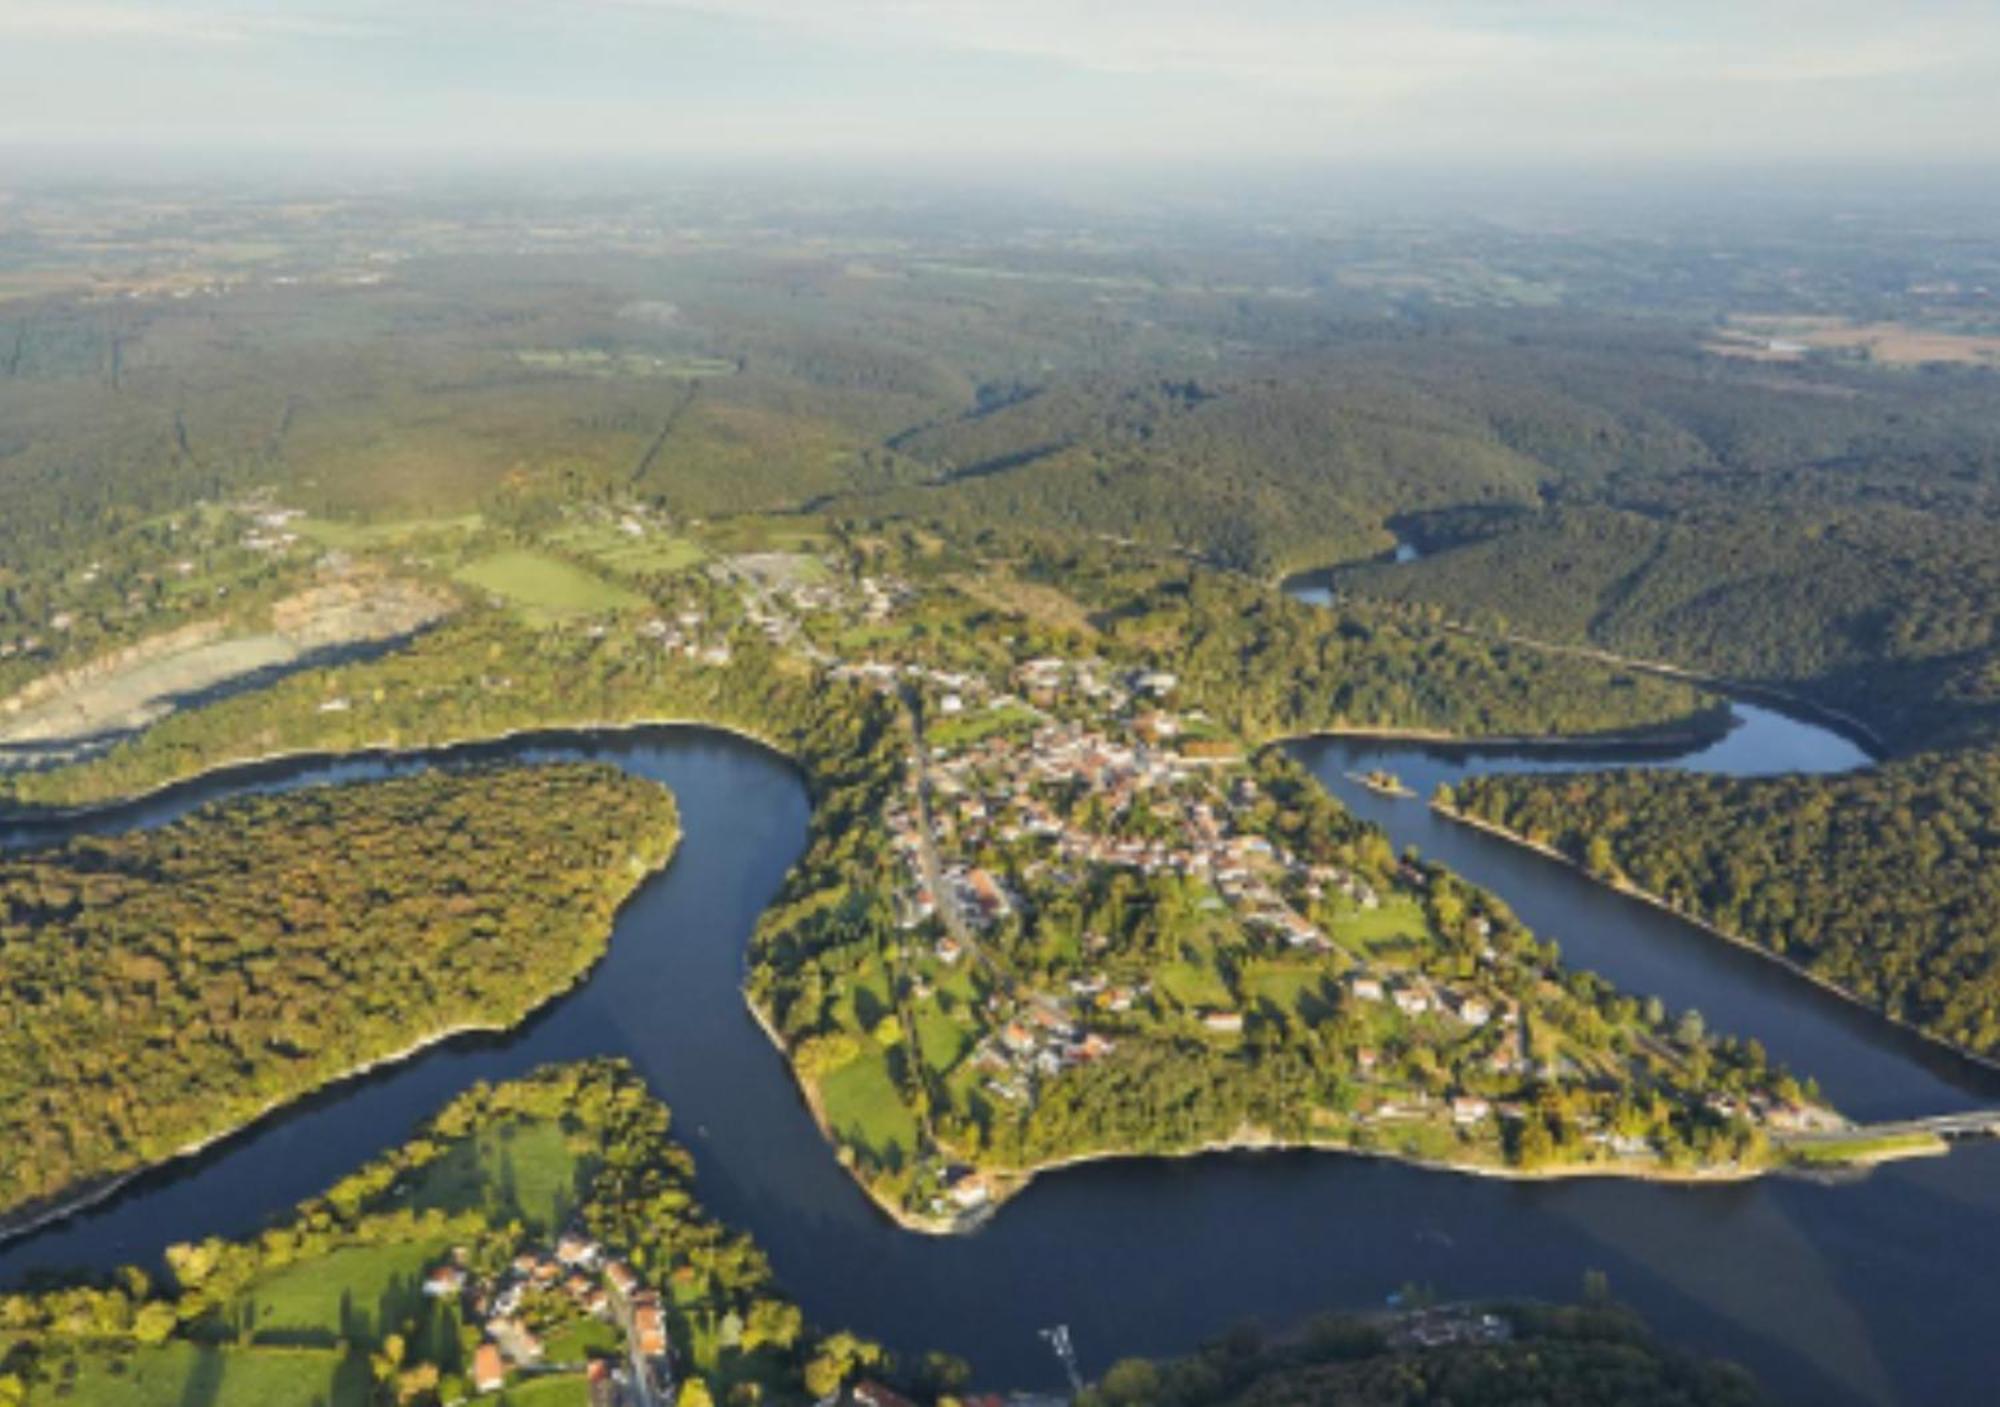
column 1839, row 720
column 26, row 1219
column 553, row 734
column 1621, row 885
column 1696, row 730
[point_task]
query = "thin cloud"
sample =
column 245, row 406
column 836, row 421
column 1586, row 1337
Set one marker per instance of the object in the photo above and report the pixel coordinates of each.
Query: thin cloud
column 59, row 20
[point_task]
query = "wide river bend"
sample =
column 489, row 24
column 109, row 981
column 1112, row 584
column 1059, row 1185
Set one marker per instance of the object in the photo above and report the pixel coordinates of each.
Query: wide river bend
column 1879, row 1292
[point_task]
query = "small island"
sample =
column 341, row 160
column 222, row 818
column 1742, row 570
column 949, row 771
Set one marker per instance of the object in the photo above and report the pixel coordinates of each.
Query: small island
column 1383, row 783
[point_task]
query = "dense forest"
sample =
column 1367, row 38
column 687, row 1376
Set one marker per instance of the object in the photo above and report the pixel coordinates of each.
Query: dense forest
column 164, row 986
column 1885, row 883
column 1589, row 1355
column 1273, row 667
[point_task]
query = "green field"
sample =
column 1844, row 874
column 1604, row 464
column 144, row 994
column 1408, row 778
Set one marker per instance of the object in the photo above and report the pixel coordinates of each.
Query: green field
column 1297, row 989
column 334, row 532
column 520, row 1169
column 569, row 1390
column 944, row 1041
column 573, row 1342
column 545, row 589
column 865, row 1108
column 1862, row 1149
column 969, row 728
column 1382, row 932
column 590, row 361
column 653, row 554
column 186, row 1375
column 347, row 1295
column 1193, row 985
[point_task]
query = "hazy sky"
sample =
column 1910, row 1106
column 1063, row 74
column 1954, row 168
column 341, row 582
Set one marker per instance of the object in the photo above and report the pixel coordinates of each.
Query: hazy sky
column 1631, row 80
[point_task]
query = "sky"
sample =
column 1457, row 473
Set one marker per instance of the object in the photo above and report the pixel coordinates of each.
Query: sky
column 1826, row 83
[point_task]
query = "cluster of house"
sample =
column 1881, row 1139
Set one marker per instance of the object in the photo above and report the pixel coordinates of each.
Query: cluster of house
column 1445, row 1326
column 270, row 529
column 1035, row 1038
column 779, row 587
column 683, row 634
column 577, row 1271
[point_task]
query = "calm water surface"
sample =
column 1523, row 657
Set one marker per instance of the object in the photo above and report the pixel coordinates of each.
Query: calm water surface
column 1880, row 1292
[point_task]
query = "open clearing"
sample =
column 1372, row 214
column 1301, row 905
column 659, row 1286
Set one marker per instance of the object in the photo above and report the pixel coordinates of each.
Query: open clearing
column 647, row 554
column 141, row 684
column 525, row 1170
column 1883, row 343
column 545, row 589
column 334, row 532
column 180, row 1374
column 345, row 1295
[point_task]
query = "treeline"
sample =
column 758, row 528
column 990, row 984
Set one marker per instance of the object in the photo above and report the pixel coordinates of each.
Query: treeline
column 1887, row 611
column 1590, row 1355
column 1270, row 666
column 479, row 675
column 165, row 986
column 1885, row 883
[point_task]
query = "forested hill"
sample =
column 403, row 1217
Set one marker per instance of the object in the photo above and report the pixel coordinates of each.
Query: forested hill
column 1521, row 1355
column 160, row 988
column 1884, row 882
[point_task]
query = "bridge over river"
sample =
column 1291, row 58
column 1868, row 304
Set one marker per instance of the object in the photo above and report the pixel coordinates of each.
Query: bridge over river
column 1969, row 1123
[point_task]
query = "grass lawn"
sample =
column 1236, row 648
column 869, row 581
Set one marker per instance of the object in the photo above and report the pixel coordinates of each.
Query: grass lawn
column 944, row 1041
column 1380, row 932
column 969, row 728
column 866, row 1109
column 566, row 1390
column 522, row 1168
column 654, row 553
column 346, row 1294
column 1293, row 988
column 574, row 1341
column 1193, row 985
column 868, row 996
column 1863, row 1149
column 335, row 532
column 190, row 1375
column 544, row 588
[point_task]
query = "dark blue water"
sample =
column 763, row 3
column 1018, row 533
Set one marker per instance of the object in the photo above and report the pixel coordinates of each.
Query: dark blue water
column 1877, row 1292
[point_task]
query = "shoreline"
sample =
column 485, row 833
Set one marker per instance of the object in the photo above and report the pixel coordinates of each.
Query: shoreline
column 376, row 750
column 1839, row 720
column 32, row 1217
column 1667, row 906
column 1010, row 1183
column 1677, row 734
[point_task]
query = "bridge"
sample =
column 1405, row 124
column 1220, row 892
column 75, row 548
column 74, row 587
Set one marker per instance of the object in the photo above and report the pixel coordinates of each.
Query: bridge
column 1972, row 1123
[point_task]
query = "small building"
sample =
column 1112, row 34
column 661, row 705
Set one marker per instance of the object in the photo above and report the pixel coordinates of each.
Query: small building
column 868, row 1393
column 445, row 1282
column 649, row 1327
column 489, row 1372
column 1222, row 1022
column 1469, row 1109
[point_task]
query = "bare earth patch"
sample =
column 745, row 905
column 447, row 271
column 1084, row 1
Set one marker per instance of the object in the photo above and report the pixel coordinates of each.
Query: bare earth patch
column 137, row 686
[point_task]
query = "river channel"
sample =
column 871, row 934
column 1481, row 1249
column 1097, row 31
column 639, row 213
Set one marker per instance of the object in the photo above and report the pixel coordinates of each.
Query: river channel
column 1877, row 1292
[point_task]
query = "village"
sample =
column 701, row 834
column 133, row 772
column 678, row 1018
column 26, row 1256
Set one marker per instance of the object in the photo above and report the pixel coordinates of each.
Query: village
column 1026, row 789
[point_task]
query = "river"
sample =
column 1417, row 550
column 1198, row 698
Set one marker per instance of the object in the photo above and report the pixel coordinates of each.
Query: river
column 1879, row 1292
